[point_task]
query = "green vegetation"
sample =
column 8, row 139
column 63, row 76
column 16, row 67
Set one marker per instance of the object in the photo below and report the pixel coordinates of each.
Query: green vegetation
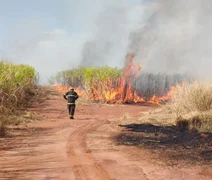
column 102, row 82
column 96, row 80
column 87, row 75
column 190, row 101
column 17, row 83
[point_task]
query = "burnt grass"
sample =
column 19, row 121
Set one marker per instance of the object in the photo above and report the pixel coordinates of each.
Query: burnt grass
column 169, row 141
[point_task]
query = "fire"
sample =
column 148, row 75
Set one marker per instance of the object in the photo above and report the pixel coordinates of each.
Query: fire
column 122, row 91
column 62, row 88
column 65, row 89
column 161, row 99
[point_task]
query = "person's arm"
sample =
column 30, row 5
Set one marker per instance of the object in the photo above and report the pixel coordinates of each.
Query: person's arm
column 76, row 96
column 65, row 96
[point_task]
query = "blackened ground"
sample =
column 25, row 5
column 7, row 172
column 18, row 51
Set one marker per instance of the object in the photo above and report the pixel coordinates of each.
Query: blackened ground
column 168, row 141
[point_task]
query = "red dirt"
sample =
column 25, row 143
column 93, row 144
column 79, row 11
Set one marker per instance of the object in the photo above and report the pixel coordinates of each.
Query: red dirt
column 56, row 147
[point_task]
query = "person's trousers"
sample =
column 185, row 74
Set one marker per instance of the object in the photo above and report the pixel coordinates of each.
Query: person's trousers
column 71, row 109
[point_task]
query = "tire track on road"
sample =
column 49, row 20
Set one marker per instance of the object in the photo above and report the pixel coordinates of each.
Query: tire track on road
column 84, row 165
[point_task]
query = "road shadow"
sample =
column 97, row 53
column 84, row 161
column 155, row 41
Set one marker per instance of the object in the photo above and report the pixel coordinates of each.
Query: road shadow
column 171, row 141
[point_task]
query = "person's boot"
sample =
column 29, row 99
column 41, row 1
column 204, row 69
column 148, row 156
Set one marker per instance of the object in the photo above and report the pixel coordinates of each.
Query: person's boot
column 71, row 117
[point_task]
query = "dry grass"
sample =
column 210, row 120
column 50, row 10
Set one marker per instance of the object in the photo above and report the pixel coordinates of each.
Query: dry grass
column 194, row 97
column 193, row 102
column 84, row 100
column 158, row 116
column 126, row 117
column 22, row 116
column 3, row 128
column 190, row 102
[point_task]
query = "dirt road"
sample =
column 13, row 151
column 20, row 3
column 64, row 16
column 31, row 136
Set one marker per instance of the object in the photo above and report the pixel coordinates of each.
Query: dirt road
column 56, row 147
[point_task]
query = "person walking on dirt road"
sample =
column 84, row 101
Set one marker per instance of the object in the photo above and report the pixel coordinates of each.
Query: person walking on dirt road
column 71, row 96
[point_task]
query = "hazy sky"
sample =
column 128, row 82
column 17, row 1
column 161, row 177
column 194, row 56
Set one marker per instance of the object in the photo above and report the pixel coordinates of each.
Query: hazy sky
column 53, row 35
column 50, row 34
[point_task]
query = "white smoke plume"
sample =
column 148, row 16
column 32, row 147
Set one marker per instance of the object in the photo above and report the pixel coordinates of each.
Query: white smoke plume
column 175, row 37
column 109, row 44
column 95, row 33
column 166, row 36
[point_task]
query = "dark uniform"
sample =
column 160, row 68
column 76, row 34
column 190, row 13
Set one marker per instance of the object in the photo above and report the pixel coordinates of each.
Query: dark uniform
column 71, row 96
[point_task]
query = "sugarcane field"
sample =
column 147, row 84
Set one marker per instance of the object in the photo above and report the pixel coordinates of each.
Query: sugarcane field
column 114, row 90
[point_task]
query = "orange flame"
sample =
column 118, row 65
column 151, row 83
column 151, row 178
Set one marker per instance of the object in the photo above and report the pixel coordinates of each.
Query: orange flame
column 65, row 89
column 123, row 91
column 158, row 100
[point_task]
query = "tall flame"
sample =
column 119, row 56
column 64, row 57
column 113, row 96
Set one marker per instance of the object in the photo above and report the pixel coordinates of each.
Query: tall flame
column 123, row 91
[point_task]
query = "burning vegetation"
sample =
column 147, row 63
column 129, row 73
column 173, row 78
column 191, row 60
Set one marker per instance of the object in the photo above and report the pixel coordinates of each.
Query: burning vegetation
column 127, row 85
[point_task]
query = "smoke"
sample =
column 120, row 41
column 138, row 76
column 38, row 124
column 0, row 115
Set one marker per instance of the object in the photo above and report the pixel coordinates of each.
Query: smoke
column 110, row 41
column 175, row 36
column 165, row 35
column 76, row 33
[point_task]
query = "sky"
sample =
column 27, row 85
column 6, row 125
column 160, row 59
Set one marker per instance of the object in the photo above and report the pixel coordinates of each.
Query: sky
column 167, row 36
column 51, row 35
